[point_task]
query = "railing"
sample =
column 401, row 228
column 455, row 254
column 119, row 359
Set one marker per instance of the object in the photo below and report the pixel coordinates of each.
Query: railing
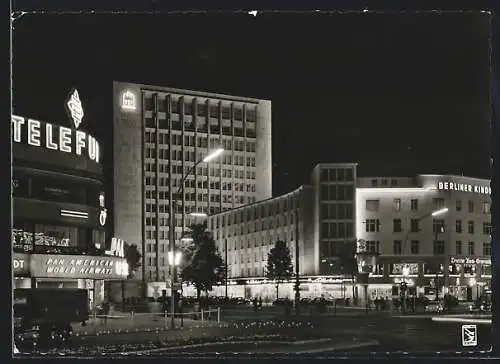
column 121, row 322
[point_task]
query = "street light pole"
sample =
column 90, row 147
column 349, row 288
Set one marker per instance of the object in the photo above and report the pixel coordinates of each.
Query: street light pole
column 208, row 158
column 297, row 276
column 441, row 211
column 225, row 261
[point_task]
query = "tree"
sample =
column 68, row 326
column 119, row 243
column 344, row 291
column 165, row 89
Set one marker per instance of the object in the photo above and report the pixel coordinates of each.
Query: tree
column 133, row 258
column 204, row 265
column 348, row 261
column 279, row 264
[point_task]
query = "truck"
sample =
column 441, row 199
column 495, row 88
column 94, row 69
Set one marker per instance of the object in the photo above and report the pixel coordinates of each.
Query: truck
column 46, row 315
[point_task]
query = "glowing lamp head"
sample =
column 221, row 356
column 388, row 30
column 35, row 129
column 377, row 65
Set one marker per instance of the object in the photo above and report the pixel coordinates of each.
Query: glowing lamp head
column 213, row 155
column 440, row 212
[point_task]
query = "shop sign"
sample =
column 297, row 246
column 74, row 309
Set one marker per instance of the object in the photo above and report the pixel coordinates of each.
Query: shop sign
column 117, row 248
column 463, row 187
column 468, row 260
column 77, row 266
column 398, row 268
column 20, row 264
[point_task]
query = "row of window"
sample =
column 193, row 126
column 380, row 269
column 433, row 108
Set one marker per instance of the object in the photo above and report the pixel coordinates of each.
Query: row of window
column 190, row 126
column 200, row 109
column 384, row 182
column 438, row 247
column 336, row 192
column 337, row 174
column 255, row 226
column 226, row 173
column 335, row 230
column 256, row 212
column 201, row 142
column 338, row 211
column 57, row 190
column 438, row 203
column 438, row 225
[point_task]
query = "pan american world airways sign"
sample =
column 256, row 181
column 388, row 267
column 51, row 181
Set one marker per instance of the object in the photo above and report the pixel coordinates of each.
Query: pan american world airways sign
column 463, row 187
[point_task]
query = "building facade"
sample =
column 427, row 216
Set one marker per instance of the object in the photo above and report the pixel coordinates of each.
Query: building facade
column 59, row 209
column 448, row 253
column 159, row 135
column 385, row 223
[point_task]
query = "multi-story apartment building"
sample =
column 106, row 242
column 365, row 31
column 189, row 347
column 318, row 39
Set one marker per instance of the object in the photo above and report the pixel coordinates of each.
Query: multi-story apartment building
column 159, row 135
column 436, row 227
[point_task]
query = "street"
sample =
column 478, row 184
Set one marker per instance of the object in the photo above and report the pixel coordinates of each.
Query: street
column 243, row 330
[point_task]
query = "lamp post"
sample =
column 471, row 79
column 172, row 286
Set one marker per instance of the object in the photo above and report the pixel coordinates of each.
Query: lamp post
column 297, row 276
column 435, row 213
column 472, row 283
column 207, row 159
column 174, row 261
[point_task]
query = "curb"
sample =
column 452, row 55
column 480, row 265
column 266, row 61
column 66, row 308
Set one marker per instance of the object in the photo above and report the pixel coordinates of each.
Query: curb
column 135, row 331
column 340, row 347
column 463, row 320
column 201, row 345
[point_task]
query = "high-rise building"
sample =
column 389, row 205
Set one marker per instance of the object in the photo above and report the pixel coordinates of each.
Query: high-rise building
column 159, row 135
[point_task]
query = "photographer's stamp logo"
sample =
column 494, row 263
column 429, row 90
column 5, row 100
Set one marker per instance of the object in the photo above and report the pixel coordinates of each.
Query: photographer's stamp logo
column 469, row 335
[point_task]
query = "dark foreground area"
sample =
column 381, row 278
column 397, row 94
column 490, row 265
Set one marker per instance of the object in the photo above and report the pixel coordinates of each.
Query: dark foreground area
column 314, row 334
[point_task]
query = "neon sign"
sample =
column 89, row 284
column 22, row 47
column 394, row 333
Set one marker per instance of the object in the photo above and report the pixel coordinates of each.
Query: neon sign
column 128, row 101
column 463, row 187
column 75, row 108
column 117, row 248
column 41, row 134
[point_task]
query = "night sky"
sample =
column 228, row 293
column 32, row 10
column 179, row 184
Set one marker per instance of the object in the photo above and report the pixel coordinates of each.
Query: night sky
column 400, row 94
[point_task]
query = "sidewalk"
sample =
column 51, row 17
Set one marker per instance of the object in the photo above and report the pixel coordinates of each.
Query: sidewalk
column 123, row 322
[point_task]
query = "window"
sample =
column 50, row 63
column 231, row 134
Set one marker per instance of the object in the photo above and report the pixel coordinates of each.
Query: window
column 397, row 247
column 372, row 225
column 470, row 227
column 458, row 247
column 397, row 204
column 486, row 228
column 458, row 226
column 397, row 226
column 415, row 245
column 374, row 183
column 372, row 205
column 438, row 203
column 471, row 248
column 414, row 228
column 394, row 182
column 485, row 207
column 487, row 249
column 471, row 206
column 459, row 205
column 438, row 225
column 439, row 247
column 414, row 205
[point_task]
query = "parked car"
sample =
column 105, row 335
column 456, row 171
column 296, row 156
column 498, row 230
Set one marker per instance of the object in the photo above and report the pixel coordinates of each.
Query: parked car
column 434, row 306
column 480, row 305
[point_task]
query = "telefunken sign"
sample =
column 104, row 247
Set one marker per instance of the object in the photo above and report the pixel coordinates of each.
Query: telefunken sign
column 45, row 135
column 464, row 187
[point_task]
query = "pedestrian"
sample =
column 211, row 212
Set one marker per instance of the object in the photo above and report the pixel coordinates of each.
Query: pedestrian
column 105, row 311
column 254, row 303
column 260, row 303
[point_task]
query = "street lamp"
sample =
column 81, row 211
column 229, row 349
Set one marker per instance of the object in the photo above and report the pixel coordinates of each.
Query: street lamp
column 435, row 213
column 214, row 154
column 174, row 262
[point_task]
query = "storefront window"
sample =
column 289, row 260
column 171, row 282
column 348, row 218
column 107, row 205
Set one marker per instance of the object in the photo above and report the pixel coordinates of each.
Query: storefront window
column 62, row 236
column 99, row 238
column 433, row 268
column 469, row 268
column 486, row 270
column 398, row 268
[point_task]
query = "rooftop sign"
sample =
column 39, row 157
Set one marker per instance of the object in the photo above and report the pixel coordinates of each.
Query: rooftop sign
column 463, row 187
